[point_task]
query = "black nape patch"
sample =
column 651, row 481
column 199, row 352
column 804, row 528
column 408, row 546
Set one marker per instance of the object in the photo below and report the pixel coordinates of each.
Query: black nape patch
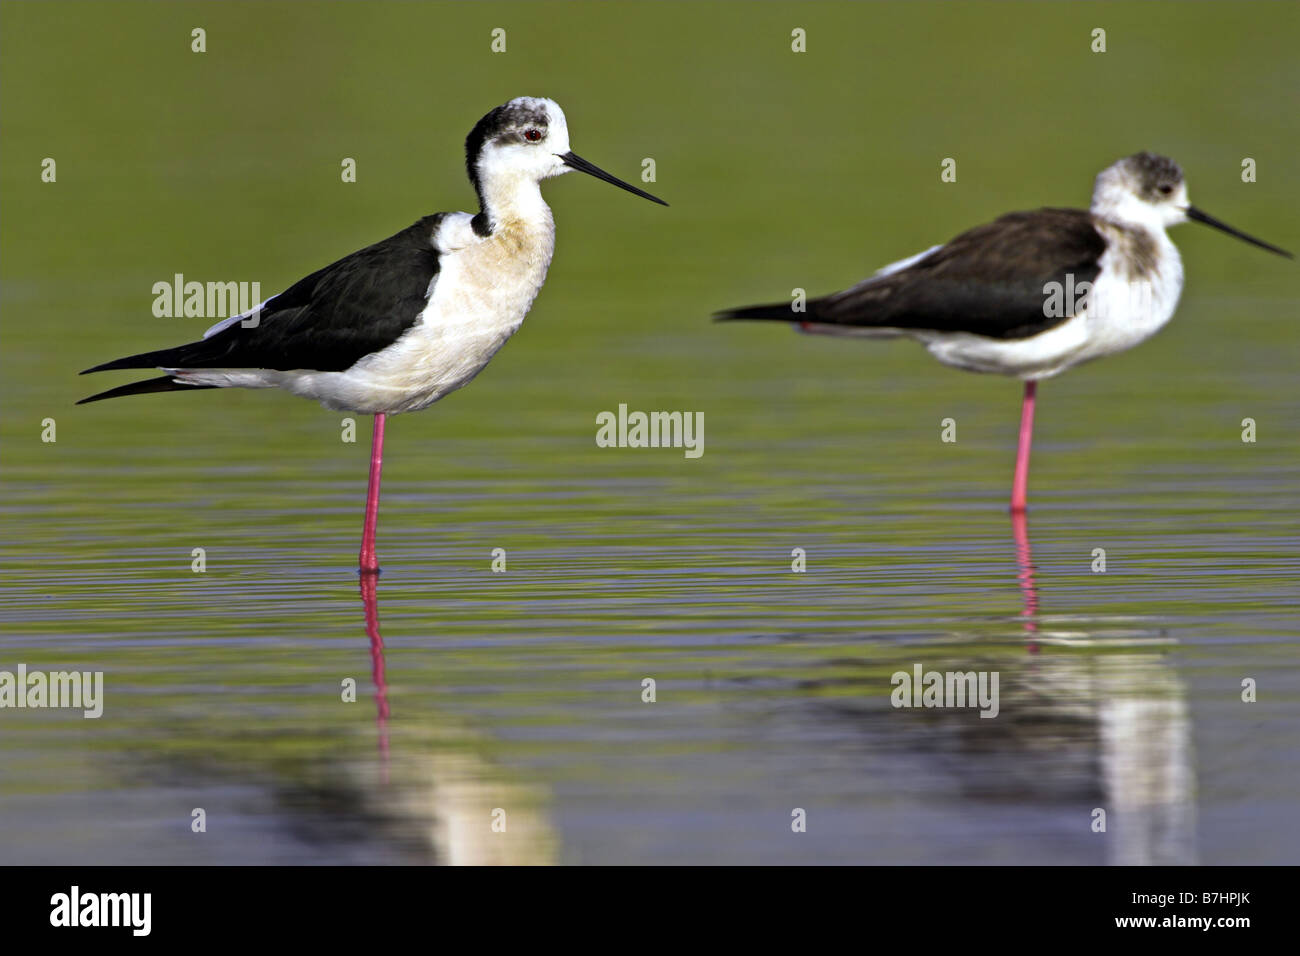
column 481, row 226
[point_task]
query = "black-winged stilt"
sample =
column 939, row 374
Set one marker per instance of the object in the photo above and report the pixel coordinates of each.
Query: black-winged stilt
column 1032, row 293
column 397, row 325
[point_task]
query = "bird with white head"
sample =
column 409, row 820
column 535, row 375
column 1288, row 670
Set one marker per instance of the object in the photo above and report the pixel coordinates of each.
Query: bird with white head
column 399, row 324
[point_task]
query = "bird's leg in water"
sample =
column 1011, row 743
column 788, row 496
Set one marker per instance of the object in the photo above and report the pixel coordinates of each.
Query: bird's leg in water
column 368, row 563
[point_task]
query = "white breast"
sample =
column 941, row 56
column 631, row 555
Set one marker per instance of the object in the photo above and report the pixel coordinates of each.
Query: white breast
column 1127, row 308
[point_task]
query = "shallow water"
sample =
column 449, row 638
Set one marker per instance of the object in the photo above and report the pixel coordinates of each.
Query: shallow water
column 1119, row 690
column 522, row 690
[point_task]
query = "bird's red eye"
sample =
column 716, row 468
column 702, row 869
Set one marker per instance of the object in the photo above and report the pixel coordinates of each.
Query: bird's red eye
column 532, row 135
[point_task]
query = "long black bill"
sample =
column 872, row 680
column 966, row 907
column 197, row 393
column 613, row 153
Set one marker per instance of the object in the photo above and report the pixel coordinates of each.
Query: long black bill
column 574, row 161
column 1196, row 215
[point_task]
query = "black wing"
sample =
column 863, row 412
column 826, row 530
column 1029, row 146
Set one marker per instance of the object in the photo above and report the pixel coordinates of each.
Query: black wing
column 987, row 281
column 327, row 321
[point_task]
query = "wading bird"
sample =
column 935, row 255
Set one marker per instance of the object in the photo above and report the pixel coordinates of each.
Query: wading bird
column 397, row 325
column 1030, row 294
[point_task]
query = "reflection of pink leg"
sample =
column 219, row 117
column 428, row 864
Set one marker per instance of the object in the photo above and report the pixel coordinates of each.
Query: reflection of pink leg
column 1020, row 484
column 1025, row 559
column 371, row 604
column 367, row 557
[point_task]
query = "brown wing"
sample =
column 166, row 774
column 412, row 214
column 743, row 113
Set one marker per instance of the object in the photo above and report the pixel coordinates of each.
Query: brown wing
column 987, row 281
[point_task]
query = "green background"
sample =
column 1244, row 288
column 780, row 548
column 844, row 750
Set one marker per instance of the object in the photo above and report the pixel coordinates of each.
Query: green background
column 783, row 170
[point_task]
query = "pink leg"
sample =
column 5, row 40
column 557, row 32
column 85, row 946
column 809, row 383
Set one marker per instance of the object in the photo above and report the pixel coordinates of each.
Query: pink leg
column 367, row 557
column 1020, row 483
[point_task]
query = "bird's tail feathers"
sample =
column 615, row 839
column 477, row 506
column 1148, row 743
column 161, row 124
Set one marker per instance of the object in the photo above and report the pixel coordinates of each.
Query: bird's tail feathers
column 778, row 311
column 813, row 321
column 162, row 358
column 164, row 383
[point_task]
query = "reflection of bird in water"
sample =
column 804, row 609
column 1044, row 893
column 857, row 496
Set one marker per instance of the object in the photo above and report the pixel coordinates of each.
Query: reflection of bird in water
column 1144, row 741
column 1025, row 558
column 1076, row 729
column 437, row 790
column 1145, row 736
column 1074, row 732
column 1146, row 745
column 370, row 601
